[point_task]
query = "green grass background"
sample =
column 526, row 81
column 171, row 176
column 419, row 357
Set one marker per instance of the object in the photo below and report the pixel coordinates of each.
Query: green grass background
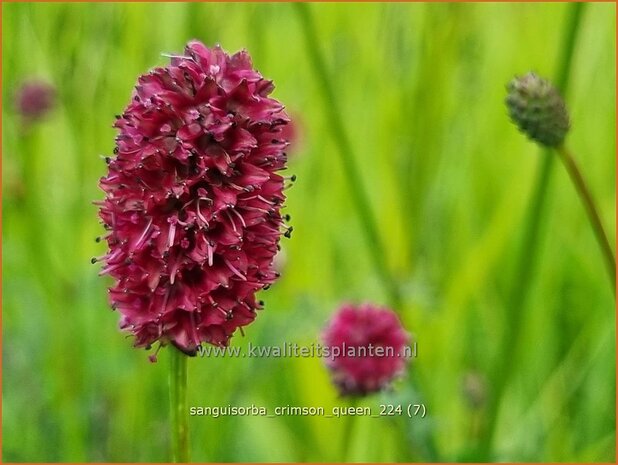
column 421, row 90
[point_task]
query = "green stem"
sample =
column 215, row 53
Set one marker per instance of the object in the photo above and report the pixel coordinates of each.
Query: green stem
column 528, row 254
column 359, row 194
column 346, row 440
column 591, row 210
column 178, row 406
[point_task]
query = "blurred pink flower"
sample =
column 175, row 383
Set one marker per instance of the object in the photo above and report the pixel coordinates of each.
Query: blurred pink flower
column 353, row 336
column 193, row 199
column 34, row 99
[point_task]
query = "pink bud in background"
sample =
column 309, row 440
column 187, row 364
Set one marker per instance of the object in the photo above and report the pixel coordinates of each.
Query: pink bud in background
column 34, row 99
column 353, row 337
column 193, row 199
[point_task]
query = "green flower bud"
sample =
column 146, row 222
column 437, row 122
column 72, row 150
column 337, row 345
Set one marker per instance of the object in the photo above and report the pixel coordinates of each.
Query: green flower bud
column 537, row 109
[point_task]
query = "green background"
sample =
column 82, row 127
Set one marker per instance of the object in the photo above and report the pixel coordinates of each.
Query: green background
column 420, row 90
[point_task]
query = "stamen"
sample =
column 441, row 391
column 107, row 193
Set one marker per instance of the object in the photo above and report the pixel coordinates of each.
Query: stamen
column 256, row 209
column 199, row 214
column 234, row 270
column 209, row 251
column 141, row 239
column 109, row 269
column 172, row 55
column 172, row 233
column 269, row 202
column 242, row 220
column 153, row 357
column 174, row 269
column 227, row 213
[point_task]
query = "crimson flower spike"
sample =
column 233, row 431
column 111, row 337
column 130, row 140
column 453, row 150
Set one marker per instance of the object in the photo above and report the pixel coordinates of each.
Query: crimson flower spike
column 193, row 200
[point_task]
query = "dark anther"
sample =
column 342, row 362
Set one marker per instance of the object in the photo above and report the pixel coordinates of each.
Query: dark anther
column 266, row 287
column 93, row 260
column 97, row 239
column 287, row 217
column 116, row 150
column 293, row 178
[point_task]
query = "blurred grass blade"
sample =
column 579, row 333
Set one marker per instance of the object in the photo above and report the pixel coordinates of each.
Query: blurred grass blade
column 360, row 197
column 337, row 129
column 528, row 254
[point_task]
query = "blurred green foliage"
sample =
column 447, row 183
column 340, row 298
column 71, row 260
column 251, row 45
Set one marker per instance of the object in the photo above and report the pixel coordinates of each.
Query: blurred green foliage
column 421, row 88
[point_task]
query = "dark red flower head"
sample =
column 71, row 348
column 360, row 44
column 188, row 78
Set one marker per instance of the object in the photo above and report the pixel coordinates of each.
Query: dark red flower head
column 193, row 199
column 367, row 347
column 34, row 99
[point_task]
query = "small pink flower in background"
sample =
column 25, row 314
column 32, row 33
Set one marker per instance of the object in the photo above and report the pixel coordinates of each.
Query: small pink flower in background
column 355, row 331
column 193, row 199
column 34, row 99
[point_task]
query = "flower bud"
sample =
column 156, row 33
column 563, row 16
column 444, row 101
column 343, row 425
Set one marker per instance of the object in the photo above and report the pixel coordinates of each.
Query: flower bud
column 537, row 108
column 35, row 99
column 367, row 345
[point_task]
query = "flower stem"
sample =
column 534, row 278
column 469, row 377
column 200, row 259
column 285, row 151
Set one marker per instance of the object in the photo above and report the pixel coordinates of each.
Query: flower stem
column 525, row 266
column 346, row 440
column 178, row 406
column 359, row 194
column 591, row 210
